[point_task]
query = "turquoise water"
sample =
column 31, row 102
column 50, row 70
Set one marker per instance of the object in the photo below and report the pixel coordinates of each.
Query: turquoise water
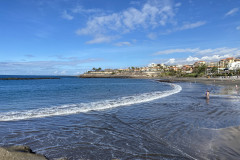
column 116, row 118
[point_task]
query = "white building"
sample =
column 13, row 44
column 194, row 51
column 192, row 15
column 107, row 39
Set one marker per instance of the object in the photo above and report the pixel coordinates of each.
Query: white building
column 234, row 66
column 152, row 65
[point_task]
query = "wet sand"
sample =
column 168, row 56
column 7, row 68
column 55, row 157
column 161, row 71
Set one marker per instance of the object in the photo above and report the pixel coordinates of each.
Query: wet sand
column 225, row 144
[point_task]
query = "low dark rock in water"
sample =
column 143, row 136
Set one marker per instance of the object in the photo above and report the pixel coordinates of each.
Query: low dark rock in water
column 19, row 153
column 165, row 80
column 28, row 78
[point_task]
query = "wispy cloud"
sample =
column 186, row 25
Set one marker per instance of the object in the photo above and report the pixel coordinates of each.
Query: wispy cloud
column 29, row 56
column 171, row 51
column 101, row 39
column 45, row 67
column 178, row 4
column 192, row 25
column 82, row 10
column 123, row 44
column 152, row 36
column 186, row 26
column 232, row 12
column 67, row 16
column 197, row 51
column 238, row 28
column 220, row 51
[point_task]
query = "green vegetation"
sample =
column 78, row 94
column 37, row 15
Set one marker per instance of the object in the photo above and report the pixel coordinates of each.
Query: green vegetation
column 96, row 69
column 200, row 70
column 173, row 71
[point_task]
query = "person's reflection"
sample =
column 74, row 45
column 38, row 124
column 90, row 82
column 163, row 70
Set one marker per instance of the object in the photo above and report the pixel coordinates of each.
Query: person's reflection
column 207, row 101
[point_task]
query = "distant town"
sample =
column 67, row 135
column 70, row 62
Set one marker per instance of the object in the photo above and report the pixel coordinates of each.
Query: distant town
column 225, row 67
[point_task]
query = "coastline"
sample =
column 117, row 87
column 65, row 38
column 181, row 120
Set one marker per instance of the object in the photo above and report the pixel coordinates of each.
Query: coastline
column 208, row 81
column 227, row 86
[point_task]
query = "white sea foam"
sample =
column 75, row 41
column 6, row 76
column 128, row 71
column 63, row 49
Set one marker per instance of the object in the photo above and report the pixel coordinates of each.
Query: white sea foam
column 85, row 107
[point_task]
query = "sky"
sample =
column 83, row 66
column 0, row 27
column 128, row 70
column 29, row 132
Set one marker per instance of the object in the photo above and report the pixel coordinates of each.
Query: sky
column 70, row 37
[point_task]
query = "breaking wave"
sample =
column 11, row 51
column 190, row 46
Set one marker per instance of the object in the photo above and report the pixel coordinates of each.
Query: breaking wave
column 69, row 109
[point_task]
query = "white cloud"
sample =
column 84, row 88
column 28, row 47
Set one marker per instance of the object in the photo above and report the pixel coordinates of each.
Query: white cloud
column 152, row 14
column 191, row 59
column 148, row 16
column 209, row 55
column 171, row 61
column 238, row 28
column 208, row 58
column 232, row 12
column 215, row 57
column 67, row 16
column 123, row 44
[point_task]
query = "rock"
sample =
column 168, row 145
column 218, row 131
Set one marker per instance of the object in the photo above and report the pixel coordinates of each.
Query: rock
column 19, row 153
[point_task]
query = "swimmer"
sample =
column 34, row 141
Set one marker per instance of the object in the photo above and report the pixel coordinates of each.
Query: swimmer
column 207, row 94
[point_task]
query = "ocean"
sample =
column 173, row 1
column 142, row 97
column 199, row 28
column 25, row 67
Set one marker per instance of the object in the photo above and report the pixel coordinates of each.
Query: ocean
column 120, row 119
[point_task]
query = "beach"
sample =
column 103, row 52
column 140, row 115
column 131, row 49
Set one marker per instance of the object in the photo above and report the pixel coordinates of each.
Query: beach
column 212, row 81
column 121, row 118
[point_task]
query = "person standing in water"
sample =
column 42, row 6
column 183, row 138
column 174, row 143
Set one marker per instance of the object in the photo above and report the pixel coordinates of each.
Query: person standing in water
column 207, row 94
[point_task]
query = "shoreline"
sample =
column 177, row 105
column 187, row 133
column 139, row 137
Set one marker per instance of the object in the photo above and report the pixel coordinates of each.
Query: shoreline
column 208, row 81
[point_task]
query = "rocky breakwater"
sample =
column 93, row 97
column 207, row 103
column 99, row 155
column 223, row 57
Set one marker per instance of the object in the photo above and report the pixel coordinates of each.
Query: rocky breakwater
column 116, row 75
column 12, row 78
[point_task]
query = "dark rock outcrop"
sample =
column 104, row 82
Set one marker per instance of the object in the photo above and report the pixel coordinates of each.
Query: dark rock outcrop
column 29, row 78
column 19, row 153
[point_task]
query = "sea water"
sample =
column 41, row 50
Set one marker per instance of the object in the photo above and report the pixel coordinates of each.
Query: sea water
column 116, row 118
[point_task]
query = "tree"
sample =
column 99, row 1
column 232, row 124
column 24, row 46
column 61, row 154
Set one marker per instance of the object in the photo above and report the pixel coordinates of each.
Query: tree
column 214, row 69
column 200, row 70
column 99, row 69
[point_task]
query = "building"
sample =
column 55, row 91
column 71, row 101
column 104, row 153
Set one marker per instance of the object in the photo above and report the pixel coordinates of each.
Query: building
column 187, row 68
column 174, row 68
column 162, row 66
column 223, row 63
column 152, row 65
column 199, row 63
column 234, row 66
column 212, row 64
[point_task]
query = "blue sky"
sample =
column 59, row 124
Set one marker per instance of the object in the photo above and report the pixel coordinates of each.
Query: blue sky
column 69, row 37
